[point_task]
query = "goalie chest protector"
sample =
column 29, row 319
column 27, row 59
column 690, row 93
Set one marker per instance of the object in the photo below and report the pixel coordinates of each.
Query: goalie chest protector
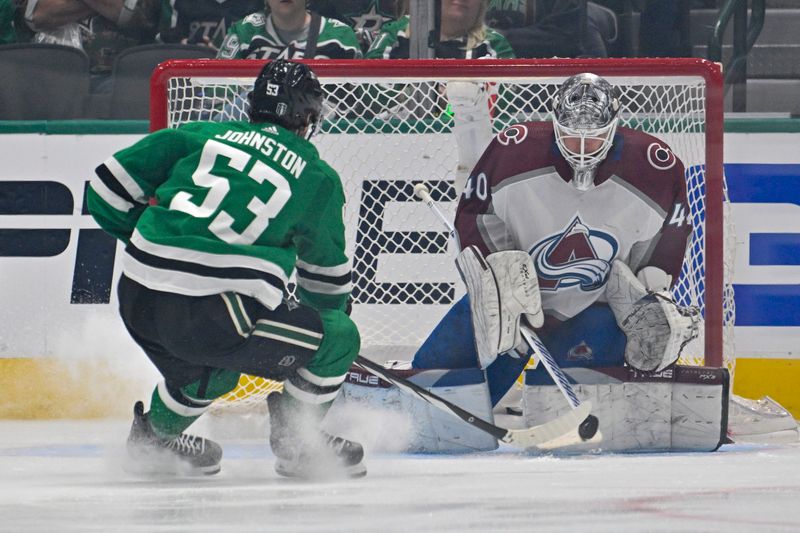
column 574, row 236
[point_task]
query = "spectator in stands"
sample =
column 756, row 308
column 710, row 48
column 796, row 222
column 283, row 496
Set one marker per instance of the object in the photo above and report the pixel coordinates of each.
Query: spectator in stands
column 663, row 25
column 7, row 32
column 660, row 28
column 102, row 28
column 202, row 21
column 503, row 15
column 13, row 28
column 366, row 17
column 289, row 31
column 463, row 33
column 553, row 28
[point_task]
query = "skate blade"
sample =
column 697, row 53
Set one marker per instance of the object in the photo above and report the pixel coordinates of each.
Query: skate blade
column 154, row 464
column 292, row 469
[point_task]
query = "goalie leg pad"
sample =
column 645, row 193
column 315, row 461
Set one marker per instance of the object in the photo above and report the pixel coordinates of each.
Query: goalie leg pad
column 388, row 419
column 681, row 409
column 501, row 288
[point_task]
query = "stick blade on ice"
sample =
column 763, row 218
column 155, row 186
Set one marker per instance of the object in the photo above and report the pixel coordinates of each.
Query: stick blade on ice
column 558, row 433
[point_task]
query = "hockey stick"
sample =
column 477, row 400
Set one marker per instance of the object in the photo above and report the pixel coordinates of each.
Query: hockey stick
column 589, row 426
column 550, row 364
column 422, row 192
column 563, row 431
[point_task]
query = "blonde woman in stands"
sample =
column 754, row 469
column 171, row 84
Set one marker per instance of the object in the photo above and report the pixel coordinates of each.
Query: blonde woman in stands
column 463, row 34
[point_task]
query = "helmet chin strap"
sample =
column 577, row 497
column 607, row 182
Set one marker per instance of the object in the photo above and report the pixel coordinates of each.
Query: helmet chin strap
column 583, row 178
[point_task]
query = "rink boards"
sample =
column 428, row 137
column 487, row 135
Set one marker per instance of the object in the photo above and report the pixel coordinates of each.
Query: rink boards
column 52, row 255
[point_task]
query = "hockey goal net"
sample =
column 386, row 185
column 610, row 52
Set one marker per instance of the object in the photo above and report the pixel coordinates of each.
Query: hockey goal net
column 388, row 126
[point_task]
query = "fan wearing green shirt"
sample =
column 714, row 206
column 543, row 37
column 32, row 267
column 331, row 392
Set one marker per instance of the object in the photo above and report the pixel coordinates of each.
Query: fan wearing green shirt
column 463, row 34
column 286, row 30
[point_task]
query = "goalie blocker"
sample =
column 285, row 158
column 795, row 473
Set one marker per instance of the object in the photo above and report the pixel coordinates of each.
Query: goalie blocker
column 501, row 288
column 680, row 409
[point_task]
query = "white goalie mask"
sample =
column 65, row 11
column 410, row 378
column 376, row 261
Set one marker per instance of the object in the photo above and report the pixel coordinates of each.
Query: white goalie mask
column 585, row 116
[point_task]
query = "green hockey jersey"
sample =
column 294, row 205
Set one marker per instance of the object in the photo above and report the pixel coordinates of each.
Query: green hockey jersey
column 200, row 20
column 255, row 37
column 367, row 15
column 213, row 207
column 393, row 43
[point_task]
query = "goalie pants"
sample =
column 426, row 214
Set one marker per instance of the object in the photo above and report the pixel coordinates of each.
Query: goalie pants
column 589, row 339
column 206, row 341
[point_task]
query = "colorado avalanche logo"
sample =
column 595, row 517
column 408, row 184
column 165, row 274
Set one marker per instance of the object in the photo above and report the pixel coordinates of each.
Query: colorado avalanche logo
column 514, row 134
column 580, row 352
column 660, row 157
column 577, row 256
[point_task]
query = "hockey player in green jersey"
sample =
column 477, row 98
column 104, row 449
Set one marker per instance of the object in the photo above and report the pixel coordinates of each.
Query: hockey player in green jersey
column 288, row 31
column 216, row 217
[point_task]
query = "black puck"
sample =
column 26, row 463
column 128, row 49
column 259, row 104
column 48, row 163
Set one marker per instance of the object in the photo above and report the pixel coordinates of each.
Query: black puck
column 588, row 427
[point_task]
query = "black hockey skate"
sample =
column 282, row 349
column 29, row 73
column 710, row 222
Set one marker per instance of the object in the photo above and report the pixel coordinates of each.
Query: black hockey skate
column 304, row 451
column 183, row 455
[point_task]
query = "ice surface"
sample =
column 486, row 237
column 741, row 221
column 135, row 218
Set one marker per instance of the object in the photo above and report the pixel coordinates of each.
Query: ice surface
column 66, row 476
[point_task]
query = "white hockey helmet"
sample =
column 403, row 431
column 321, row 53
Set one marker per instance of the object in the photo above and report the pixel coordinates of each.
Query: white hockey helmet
column 585, row 116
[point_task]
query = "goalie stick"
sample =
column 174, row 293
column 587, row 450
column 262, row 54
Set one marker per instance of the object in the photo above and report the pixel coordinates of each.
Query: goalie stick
column 550, row 364
column 589, row 426
column 562, row 431
column 422, row 192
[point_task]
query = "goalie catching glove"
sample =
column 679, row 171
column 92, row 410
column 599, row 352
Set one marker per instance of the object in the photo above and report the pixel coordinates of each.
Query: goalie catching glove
column 501, row 288
column 657, row 328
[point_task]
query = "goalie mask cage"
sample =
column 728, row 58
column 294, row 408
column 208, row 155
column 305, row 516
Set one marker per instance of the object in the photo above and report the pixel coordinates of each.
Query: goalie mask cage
column 387, row 126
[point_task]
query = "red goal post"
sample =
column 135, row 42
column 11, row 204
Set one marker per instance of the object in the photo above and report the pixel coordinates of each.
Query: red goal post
column 387, row 126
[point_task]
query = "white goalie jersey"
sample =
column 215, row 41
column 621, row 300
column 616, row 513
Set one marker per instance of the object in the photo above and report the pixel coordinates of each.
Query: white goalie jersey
column 519, row 197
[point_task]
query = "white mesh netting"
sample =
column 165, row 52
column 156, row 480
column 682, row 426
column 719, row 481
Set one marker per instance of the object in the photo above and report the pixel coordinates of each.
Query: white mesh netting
column 385, row 134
